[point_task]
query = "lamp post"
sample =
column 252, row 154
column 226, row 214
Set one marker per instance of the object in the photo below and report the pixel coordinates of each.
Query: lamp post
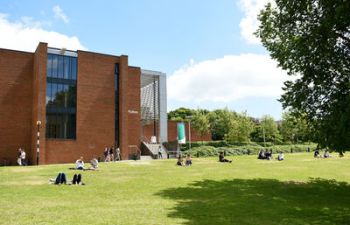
column 38, row 123
column 189, row 131
column 263, row 127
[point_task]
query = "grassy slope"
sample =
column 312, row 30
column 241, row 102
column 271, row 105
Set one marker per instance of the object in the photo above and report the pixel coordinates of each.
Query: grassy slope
column 299, row 190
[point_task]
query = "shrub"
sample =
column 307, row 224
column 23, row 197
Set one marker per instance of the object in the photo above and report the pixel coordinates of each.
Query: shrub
column 251, row 149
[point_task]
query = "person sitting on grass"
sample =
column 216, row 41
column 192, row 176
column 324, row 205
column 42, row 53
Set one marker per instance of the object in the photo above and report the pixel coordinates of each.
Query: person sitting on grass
column 180, row 161
column 280, row 156
column 316, row 153
column 79, row 164
column 326, row 154
column 94, row 164
column 222, row 158
column 188, row 160
column 268, row 155
column 262, row 154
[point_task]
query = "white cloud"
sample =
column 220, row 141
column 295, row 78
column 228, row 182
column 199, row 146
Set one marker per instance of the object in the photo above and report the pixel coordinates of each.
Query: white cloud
column 249, row 23
column 25, row 35
column 59, row 14
column 227, row 79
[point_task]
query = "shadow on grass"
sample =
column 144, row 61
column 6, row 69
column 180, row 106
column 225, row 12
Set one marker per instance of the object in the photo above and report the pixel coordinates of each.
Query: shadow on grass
column 261, row 201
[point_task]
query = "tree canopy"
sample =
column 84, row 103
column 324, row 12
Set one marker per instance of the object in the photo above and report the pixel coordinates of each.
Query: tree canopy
column 310, row 39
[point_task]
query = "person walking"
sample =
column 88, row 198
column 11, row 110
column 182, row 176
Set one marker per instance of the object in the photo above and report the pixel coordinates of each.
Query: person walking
column 117, row 154
column 111, row 153
column 160, row 156
column 105, row 154
column 19, row 159
column 23, row 158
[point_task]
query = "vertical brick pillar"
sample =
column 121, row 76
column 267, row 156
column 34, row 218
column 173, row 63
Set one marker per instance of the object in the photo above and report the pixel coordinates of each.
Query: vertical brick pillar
column 39, row 107
column 123, row 106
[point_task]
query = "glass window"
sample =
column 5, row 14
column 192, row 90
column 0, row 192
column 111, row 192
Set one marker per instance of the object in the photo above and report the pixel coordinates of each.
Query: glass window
column 61, row 97
column 49, row 65
column 72, row 96
column 53, row 95
column 54, row 65
column 74, row 68
column 66, row 67
column 48, row 93
column 60, row 67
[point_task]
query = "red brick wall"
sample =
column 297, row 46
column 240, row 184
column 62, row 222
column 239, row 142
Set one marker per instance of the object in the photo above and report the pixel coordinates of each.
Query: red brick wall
column 195, row 136
column 134, row 114
column 38, row 106
column 147, row 132
column 22, row 101
column 95, row 111
column 16, row 74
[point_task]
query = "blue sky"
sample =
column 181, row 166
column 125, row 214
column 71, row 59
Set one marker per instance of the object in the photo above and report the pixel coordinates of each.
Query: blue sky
column 205, row 47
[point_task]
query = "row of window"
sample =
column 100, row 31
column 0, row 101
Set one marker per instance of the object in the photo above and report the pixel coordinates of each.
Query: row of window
column 61, row 125
column 59, row 66
column 61, row 95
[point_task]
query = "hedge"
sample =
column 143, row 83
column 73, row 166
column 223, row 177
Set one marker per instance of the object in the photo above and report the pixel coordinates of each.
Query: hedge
column 205, row 150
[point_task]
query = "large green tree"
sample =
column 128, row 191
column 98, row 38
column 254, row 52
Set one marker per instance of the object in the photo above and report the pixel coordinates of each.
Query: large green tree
column 200, row 123
column 294, row 128
column 310, row 39
column 181, row 114
column 220, row 121
column 268, row 129
column 240, row 129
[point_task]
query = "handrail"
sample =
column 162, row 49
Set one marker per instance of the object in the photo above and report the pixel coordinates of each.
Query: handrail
column 138, row 151
column 154, row 156
column 144, row 139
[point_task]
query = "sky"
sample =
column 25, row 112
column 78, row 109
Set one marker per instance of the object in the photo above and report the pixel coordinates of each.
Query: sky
column 206, row 48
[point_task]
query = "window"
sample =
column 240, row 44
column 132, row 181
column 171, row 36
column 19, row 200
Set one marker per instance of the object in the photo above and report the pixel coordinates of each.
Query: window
column 61, row 97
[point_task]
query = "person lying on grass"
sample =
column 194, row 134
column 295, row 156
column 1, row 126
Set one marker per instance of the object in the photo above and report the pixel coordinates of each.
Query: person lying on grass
column 222, row 158
column 62, row 179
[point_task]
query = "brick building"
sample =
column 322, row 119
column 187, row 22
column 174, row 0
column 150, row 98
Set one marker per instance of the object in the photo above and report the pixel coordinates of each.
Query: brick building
column 84, row 101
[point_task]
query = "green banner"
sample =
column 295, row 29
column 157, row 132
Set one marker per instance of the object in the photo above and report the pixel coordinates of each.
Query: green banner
column 181, row 135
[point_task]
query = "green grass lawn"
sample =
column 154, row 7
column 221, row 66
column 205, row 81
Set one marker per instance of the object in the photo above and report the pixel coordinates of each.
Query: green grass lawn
column 299, row 190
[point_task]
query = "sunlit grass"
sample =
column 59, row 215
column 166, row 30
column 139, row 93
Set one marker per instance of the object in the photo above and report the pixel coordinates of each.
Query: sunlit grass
column 299, row 190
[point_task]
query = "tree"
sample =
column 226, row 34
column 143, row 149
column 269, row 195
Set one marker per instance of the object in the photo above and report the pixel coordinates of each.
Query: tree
column 200, row 123
column 220, row 121
column 240, row 129
column 268, row 129
column 294, row 128
column 180, row 114
column 310, row 39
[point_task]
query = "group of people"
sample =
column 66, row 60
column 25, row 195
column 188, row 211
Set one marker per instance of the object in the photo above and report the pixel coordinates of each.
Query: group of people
column 263, row 154
column 21, row 157
column 110, row 155
column 188, row 161
column 325, row 154
column 62, row 179
column 79, row 164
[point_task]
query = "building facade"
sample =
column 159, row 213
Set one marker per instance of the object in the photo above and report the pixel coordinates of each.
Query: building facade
column 79, row 102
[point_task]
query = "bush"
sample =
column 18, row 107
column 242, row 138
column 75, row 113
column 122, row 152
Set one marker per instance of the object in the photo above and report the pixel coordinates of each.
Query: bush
column 251, row 149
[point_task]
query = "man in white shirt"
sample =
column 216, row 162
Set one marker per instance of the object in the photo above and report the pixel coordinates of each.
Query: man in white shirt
column 79, row 164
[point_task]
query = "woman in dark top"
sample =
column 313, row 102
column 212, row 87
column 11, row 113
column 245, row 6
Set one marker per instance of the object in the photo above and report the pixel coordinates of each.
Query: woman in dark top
column 222, row 158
